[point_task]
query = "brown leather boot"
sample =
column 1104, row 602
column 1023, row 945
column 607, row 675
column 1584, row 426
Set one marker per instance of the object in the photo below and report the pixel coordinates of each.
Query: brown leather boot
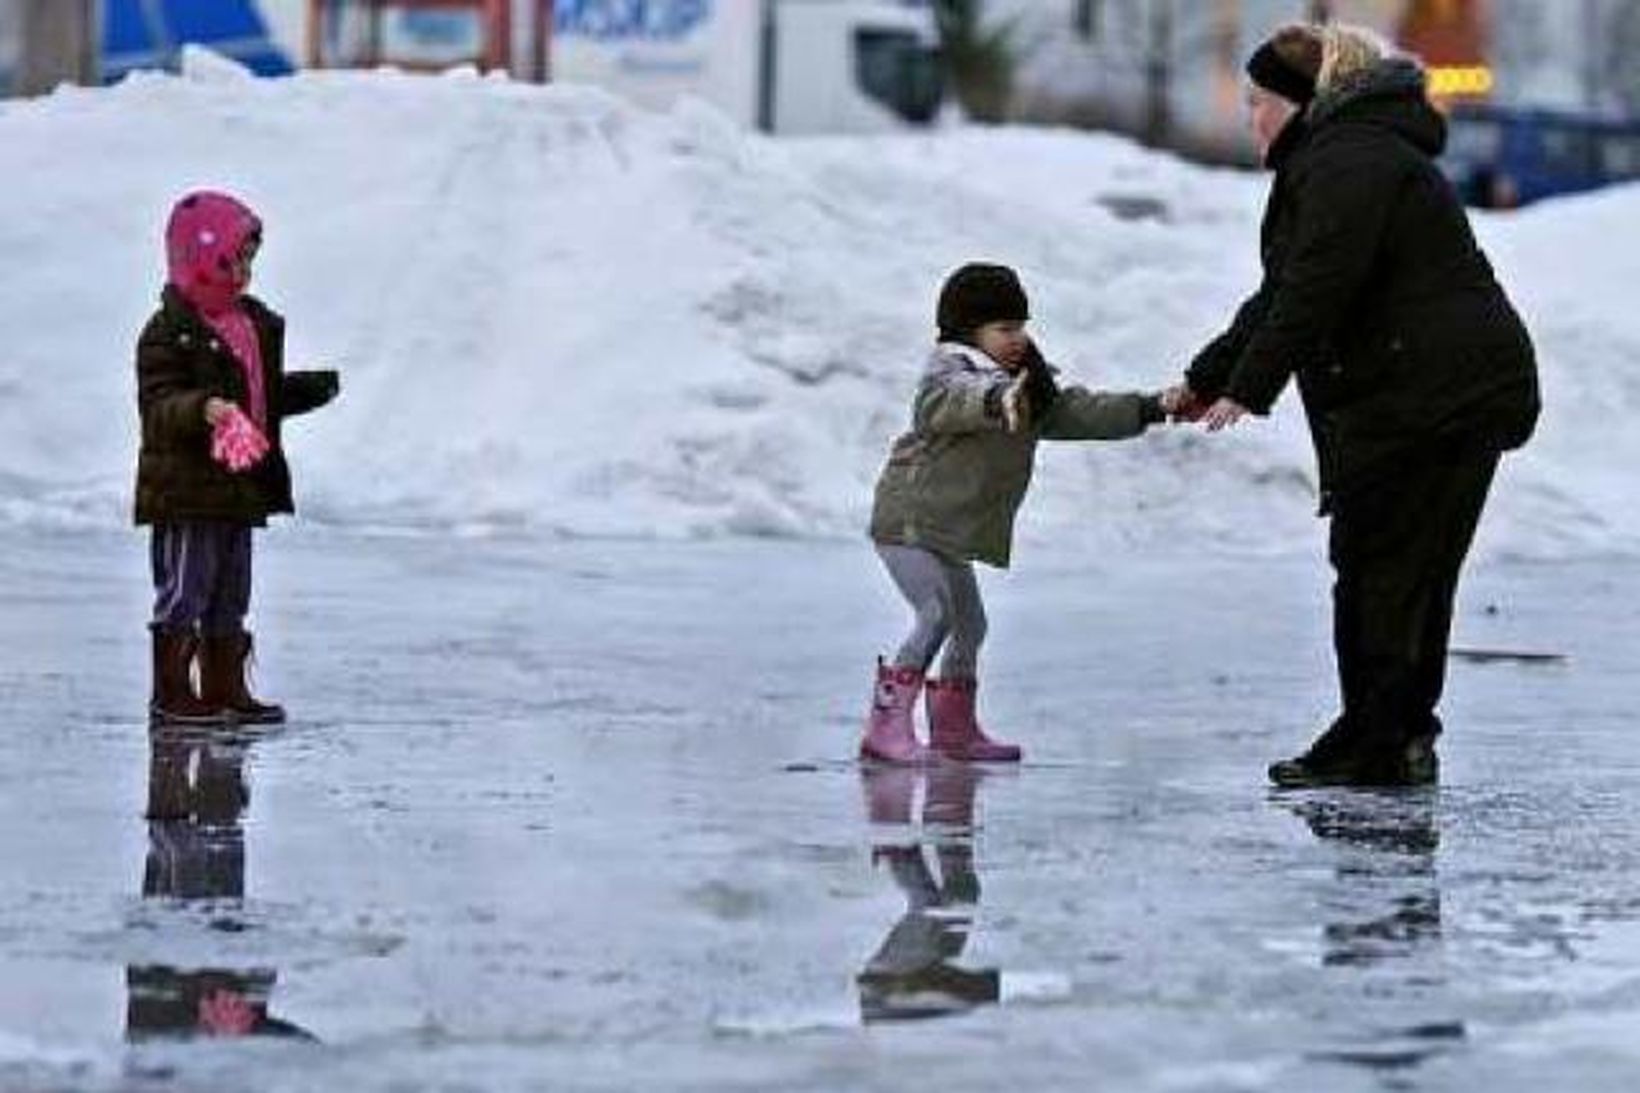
column 173, row 701
column 222, row 670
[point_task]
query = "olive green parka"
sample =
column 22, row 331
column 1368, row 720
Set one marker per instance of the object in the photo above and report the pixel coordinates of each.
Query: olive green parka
column 954, row 482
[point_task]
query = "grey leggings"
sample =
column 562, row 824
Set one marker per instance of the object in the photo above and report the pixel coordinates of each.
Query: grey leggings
column 949, row 612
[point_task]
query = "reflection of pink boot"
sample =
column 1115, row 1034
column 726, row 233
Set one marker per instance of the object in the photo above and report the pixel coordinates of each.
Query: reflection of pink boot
column 949, row 801
column 953, row 728
column 889, row 792
column 948, row 807
column 890, row 735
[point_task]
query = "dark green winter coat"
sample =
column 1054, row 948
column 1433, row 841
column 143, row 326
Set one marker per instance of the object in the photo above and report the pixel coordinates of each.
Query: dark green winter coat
column 1375, row 294
column 954, row 482
column 182, row 362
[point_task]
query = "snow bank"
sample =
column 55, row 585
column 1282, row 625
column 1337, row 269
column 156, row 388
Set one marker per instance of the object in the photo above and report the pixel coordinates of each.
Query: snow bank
column 557, row 314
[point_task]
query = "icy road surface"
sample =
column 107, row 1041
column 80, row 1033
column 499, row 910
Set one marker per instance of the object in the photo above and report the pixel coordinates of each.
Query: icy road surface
column 584, row 816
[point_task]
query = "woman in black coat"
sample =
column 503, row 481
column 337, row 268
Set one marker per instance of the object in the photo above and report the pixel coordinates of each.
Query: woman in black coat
column 1414, row 370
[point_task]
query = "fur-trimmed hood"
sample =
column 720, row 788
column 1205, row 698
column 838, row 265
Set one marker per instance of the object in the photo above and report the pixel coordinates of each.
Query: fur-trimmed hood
column 1392, row 93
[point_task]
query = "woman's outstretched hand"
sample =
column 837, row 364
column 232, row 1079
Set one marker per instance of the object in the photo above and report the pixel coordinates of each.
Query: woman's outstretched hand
column 1223, row 414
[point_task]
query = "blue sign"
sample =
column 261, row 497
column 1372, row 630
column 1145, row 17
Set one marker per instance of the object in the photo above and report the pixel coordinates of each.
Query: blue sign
column 642, row 20
column 150, row 34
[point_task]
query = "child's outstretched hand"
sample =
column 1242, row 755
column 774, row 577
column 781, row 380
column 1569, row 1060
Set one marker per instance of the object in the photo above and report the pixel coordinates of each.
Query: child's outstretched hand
column 1183, row 404
column 236, row 442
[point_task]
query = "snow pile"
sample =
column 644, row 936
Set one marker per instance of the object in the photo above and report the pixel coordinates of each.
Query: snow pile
column 556, row 314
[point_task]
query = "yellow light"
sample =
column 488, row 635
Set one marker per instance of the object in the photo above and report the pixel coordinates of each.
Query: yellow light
column 1465, row 81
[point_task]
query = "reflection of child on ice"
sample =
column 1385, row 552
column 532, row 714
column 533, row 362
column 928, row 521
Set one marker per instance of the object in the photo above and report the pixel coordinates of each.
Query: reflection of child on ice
column 948, row 496
column 197, row 794
column 213, row 393
column 915, row 971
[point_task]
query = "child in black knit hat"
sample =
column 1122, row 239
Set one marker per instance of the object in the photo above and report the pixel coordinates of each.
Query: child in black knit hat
column 948, row 496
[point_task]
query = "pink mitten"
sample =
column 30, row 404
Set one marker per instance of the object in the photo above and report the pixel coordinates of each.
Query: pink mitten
column 237, row 443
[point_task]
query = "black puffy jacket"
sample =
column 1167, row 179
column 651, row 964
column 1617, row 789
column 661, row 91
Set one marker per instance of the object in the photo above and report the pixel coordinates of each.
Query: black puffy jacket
column 181, row 362
column 1375, row 294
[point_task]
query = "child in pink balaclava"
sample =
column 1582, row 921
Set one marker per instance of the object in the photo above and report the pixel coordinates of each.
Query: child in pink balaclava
column 213, row 394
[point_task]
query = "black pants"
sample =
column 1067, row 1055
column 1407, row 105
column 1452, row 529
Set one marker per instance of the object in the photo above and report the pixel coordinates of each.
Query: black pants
column 1397, row 547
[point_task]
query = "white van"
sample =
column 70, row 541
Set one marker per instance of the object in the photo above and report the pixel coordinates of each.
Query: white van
column 783, row 66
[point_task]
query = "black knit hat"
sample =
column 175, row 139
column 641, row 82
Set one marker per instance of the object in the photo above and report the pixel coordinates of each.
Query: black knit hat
column 978, row 294
column 1290, row 72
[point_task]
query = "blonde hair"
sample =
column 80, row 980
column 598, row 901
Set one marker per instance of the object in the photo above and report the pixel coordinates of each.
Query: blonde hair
column 1329, row 53
column 1346, row 50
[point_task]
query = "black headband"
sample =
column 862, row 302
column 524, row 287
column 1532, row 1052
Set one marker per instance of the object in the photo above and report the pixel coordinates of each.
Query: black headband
column 1267, row 69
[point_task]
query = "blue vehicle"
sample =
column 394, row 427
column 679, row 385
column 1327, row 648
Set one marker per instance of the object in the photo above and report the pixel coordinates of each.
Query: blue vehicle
column 1504, row 157
column 141, row 34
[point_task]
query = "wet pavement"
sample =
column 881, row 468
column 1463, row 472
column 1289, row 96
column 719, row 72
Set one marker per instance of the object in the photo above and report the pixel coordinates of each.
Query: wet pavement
column 583, row 816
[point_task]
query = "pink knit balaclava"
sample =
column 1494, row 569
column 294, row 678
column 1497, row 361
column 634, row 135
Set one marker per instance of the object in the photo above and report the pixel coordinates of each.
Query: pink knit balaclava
column 209, row 242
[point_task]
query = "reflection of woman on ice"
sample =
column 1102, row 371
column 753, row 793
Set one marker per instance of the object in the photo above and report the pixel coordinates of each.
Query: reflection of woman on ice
column 1415, row 372
column 948, row 496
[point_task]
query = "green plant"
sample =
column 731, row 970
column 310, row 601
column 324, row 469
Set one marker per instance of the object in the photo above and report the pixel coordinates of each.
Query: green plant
column 981, row 59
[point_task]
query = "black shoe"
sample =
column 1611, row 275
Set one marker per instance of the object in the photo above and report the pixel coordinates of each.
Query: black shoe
column 1416, row 764
column 1300, row 773
column 1419, row 762
column 1325, row 762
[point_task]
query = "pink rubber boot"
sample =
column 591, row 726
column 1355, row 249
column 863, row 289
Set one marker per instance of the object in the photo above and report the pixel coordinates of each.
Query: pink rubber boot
column 953, row 728
column 890, row 734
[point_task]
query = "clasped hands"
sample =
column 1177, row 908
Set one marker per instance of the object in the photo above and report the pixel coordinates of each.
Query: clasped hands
column 1183, row 404
column 1178, row 402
